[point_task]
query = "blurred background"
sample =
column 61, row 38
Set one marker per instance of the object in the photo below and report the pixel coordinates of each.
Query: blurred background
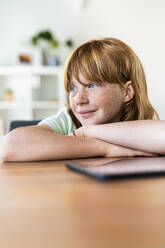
column 37, row 36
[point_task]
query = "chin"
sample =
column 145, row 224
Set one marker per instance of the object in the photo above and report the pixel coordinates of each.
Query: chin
column 89, row 122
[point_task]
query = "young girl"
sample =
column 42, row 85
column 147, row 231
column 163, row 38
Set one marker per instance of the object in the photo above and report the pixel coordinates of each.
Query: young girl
column 108, row 112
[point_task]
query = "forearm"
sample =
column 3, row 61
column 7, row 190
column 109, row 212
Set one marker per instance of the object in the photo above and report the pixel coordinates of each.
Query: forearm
column 147, row 135
column 32, row 144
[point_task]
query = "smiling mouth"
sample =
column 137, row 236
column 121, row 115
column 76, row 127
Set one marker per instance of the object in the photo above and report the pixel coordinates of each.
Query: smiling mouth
column 86, row 114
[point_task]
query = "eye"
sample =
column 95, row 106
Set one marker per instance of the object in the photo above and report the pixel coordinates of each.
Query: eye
column 92, row 85
column 72, row 89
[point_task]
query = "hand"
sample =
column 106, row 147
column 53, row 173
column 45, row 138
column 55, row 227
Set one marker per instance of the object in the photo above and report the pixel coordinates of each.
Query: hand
column 80, row 132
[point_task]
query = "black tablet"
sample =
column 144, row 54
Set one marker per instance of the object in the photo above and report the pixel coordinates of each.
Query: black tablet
column 108, row 168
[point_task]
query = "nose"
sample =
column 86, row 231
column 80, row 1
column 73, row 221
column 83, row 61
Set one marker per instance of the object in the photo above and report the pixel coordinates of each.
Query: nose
column 81, row 97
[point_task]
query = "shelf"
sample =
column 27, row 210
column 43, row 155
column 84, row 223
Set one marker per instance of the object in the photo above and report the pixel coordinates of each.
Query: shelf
column 47, row 104
column 26, row 70
column 34, row 88
column 32, row 105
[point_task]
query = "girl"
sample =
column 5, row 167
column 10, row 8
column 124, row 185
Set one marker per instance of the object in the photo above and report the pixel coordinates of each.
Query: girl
column 108, row 112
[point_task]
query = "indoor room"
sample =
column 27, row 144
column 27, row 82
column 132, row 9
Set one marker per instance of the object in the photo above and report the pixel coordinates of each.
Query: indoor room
column 31, row 73
column 82, row 124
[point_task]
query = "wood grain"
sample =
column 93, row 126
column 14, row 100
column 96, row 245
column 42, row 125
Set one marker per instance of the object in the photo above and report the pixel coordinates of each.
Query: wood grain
column 43, row 204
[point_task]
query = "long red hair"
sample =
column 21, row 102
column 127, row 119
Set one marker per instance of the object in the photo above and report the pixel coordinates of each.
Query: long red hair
column 111, row 60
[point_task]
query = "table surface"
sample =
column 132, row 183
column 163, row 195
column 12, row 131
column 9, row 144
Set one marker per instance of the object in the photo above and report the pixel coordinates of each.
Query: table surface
column 44, row 204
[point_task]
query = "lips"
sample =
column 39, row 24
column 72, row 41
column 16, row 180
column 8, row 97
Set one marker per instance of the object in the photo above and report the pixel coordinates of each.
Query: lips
column 86, row 113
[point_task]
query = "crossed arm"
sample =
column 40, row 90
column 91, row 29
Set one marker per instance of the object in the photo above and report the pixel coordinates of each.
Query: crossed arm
column 134, row 138
column 144, row 135
column 41, row 143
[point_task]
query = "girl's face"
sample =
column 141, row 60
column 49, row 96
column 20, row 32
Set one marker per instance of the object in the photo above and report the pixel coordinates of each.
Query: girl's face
column 94, row 103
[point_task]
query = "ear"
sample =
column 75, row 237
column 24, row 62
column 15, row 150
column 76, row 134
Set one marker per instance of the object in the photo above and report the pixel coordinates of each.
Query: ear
column 128, row 91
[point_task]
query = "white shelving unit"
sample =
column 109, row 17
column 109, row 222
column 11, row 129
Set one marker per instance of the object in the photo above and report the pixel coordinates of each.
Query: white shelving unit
column 38, row 91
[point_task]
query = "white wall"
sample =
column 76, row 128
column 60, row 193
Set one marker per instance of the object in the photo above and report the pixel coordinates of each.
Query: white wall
column 139, row 23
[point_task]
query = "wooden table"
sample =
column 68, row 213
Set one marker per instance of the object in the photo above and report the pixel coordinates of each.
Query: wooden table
column 43, row 204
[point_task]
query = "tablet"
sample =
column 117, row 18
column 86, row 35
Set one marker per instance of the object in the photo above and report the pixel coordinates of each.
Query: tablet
column 108, row 168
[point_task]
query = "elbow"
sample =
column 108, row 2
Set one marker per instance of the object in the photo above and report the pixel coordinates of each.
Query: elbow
column 5, row 148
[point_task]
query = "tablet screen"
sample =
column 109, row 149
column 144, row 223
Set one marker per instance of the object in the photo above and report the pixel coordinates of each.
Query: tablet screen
column 119, row 167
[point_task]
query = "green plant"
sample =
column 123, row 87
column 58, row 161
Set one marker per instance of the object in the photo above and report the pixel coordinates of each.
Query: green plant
column 69, row 43
column 47, row 36
column 8, row 90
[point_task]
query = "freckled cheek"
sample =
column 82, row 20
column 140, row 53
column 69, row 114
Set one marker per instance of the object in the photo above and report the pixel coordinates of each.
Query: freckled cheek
column 101, row 99
column 107, row 100
column 116, row 101
column 71, row 102
column 98, row 100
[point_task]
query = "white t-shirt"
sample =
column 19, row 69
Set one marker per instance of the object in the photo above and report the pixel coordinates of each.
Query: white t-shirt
column 61, row 122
